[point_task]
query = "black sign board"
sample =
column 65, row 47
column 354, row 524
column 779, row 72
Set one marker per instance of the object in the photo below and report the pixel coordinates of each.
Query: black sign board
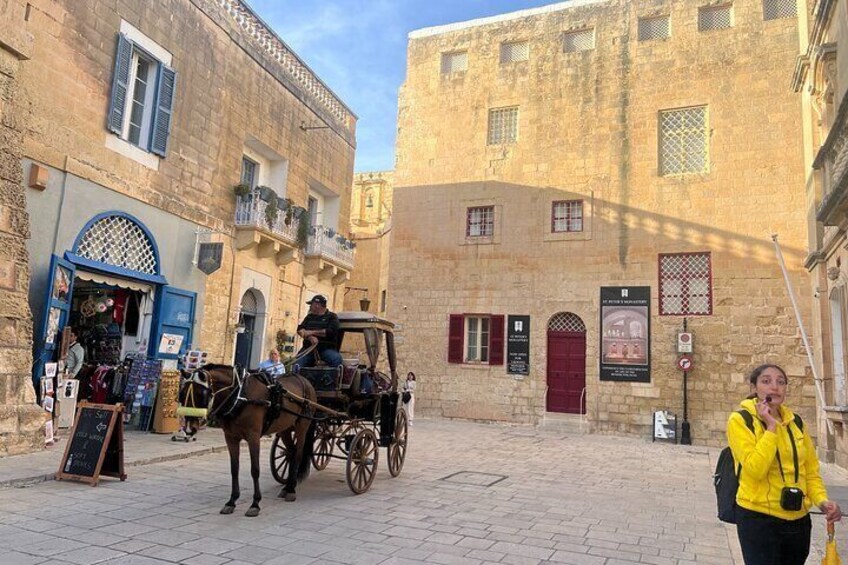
column 209, row 257
column 95, row 445
column 518, row 345
column 626, row 334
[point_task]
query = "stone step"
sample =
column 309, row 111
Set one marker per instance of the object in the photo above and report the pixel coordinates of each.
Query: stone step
column 564, row 423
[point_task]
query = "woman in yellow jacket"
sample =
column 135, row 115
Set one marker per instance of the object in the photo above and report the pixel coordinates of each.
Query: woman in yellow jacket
column 779, row 481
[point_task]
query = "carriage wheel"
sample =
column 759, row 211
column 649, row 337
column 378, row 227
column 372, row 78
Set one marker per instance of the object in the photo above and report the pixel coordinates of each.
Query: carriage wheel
column 362, row 461
column 397, row 449
column 323, row 447
column 279, row 461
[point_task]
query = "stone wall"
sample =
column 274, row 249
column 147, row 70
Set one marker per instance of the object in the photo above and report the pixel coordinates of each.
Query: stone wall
column 21, row 421
column 588, row 130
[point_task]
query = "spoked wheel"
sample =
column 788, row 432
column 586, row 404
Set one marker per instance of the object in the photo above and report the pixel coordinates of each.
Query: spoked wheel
column 397, row 449
column 323, row 447
column 279, row 461
column 362, row 461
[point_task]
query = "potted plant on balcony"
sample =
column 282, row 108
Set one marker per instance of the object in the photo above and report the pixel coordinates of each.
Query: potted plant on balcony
column 271, row 212
column 266, row 194
column 303, row 230
column 241, row 190
column 287, row 206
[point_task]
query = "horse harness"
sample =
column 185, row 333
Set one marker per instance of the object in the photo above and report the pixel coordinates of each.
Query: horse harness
column 274, row 405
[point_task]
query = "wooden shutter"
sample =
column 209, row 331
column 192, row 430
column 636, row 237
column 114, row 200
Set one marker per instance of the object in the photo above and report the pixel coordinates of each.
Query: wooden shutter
column 164, row 108
column 456, row 338
column 496, row 340
column 120, row 80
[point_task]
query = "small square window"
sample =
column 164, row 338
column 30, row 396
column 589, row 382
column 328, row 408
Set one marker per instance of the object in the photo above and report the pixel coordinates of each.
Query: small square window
column 515, row 51
column 455, row 62
column 503, row 125
column 684, row 144
column 778, row 9
column 651, row 29
column 567, row 216
column 480, row 221
column 580, row 40
column 685, row 284
column 715, row 17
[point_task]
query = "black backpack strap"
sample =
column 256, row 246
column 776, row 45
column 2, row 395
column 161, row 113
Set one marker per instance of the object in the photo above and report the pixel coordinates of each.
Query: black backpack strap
column 799, row 422
column 749, row 420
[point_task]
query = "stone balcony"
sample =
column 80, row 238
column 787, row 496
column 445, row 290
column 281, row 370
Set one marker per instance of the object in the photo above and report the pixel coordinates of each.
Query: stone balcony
column 832, row 162
column 327, row 257
column 253, row 231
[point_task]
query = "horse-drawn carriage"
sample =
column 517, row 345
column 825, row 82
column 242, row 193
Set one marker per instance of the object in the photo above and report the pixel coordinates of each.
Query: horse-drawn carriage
column 359, row 408
column 315, row 414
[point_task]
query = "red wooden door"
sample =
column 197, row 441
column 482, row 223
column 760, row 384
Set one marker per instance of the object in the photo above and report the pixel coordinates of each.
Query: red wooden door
column 566, row 371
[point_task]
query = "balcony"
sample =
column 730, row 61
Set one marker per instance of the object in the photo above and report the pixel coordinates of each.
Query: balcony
column 832, row 161
column 277, row 239
column 328, row 256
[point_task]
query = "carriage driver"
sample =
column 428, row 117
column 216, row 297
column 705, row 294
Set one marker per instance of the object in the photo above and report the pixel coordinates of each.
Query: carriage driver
column 322, row 327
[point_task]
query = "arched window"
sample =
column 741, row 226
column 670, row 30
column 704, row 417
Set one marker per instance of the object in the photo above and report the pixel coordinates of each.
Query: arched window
column 566, row 322
column 118, row 240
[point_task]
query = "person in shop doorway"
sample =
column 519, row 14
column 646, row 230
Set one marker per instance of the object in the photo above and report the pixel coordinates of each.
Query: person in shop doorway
column 320, row 327
column 779, row 480
column 76, row 353
column 272, row 365
column 409, row 396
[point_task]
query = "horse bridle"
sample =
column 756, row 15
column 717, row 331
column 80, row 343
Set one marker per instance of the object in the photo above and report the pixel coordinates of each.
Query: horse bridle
column 213, row 393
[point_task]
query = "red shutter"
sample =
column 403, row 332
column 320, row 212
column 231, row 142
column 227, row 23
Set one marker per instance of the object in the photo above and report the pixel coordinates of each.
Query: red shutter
column 455, row 339
column 496, row 340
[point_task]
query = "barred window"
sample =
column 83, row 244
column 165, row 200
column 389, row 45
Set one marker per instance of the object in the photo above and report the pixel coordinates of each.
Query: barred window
column 567, row 216
column 715, row 17
column 454, row 62
column 685, row 284
column 480, row 221
column 515, row 51
column 777, row 9
column 654, row 28
column 580, row 40
column 683, row 141
column 503, row 125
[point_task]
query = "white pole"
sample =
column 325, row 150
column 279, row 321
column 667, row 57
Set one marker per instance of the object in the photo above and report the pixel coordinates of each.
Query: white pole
column 816, row 378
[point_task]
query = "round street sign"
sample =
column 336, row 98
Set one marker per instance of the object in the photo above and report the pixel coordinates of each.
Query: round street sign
column 684, row 363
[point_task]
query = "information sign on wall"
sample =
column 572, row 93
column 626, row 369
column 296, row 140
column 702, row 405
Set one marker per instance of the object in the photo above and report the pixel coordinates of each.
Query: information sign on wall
column 625, row 334
column 518, row 345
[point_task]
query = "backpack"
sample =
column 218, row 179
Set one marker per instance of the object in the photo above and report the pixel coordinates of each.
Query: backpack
column 727, row 471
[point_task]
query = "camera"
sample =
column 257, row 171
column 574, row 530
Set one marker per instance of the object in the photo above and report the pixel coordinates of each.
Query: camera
column 791, row 498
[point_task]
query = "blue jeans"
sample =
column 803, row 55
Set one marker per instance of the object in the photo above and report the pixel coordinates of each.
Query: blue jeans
column 330, row 356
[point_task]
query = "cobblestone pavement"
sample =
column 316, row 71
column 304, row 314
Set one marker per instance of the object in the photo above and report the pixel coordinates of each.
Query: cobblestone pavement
column 469, row 494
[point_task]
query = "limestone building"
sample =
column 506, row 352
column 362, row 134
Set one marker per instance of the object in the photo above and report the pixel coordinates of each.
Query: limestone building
column 157, row 130
column 821, row 79
column 370, row 226
column 643, row 152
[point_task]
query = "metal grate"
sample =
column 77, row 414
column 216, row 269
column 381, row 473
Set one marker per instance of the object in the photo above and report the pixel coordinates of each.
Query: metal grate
column 503, row 125
column 454, row 62
column 249, row 303
column 566, row 322
column 581, row 40
column 683, row 141
column 685, row 284
column 480, row 221
column 515, row 51
column 654, row 28
column 715, row 17
column 120, row 242
column 777, row 9
column 567, row 216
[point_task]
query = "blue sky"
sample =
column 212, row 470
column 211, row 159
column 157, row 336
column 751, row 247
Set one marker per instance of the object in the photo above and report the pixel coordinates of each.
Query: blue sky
column 358, row 48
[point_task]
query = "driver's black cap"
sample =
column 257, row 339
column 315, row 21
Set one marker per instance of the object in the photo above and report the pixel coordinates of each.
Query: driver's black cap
column 320, row 299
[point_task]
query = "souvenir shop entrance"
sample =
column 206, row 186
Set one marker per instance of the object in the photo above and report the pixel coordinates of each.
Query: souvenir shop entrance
column 129, row 320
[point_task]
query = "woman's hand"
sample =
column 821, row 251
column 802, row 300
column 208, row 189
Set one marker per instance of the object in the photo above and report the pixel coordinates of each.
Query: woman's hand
column 831, row 511
column 764, row 412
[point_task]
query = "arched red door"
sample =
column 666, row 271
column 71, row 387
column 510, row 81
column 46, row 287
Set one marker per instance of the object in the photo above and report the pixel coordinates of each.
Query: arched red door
column 566, row 363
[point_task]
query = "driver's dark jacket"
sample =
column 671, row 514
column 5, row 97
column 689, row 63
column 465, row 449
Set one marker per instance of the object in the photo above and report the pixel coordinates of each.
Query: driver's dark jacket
column 327, row 321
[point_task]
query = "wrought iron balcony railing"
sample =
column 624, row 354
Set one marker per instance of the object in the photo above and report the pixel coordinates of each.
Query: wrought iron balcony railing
column 324, row 243
column 251, row 212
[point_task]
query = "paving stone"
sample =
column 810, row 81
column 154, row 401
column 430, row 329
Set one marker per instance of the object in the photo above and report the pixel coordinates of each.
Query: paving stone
column 168, row 553
column 18, row 558
column 90, row 555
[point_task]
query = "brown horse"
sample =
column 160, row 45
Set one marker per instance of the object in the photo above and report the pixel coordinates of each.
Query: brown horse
column 248, row 407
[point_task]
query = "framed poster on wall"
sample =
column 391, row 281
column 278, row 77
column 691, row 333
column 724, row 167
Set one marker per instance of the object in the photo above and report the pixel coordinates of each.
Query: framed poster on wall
column 625, row 348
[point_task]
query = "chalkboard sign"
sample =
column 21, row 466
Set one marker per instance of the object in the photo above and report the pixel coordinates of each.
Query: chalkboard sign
column 95, row 445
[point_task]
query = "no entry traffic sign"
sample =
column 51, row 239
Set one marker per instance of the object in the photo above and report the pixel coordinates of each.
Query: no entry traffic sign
column 684, row 363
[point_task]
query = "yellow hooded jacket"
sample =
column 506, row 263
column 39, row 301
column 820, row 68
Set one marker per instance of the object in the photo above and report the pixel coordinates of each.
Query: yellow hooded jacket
column 760, row 482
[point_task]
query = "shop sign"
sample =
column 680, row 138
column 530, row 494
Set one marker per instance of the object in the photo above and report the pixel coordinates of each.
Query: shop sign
column 625, row 334
column 170, row 344
column 209, row 257
column 518, row 345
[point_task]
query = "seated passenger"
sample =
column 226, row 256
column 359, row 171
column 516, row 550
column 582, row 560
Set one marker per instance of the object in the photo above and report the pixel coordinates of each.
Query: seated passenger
column 319, row 327
column 273, row 366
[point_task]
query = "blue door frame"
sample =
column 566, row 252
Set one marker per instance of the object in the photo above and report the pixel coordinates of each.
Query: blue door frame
column 174, row 315
column 60, row 288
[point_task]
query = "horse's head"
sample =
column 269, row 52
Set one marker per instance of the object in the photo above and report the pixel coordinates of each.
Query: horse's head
column 193, row 394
